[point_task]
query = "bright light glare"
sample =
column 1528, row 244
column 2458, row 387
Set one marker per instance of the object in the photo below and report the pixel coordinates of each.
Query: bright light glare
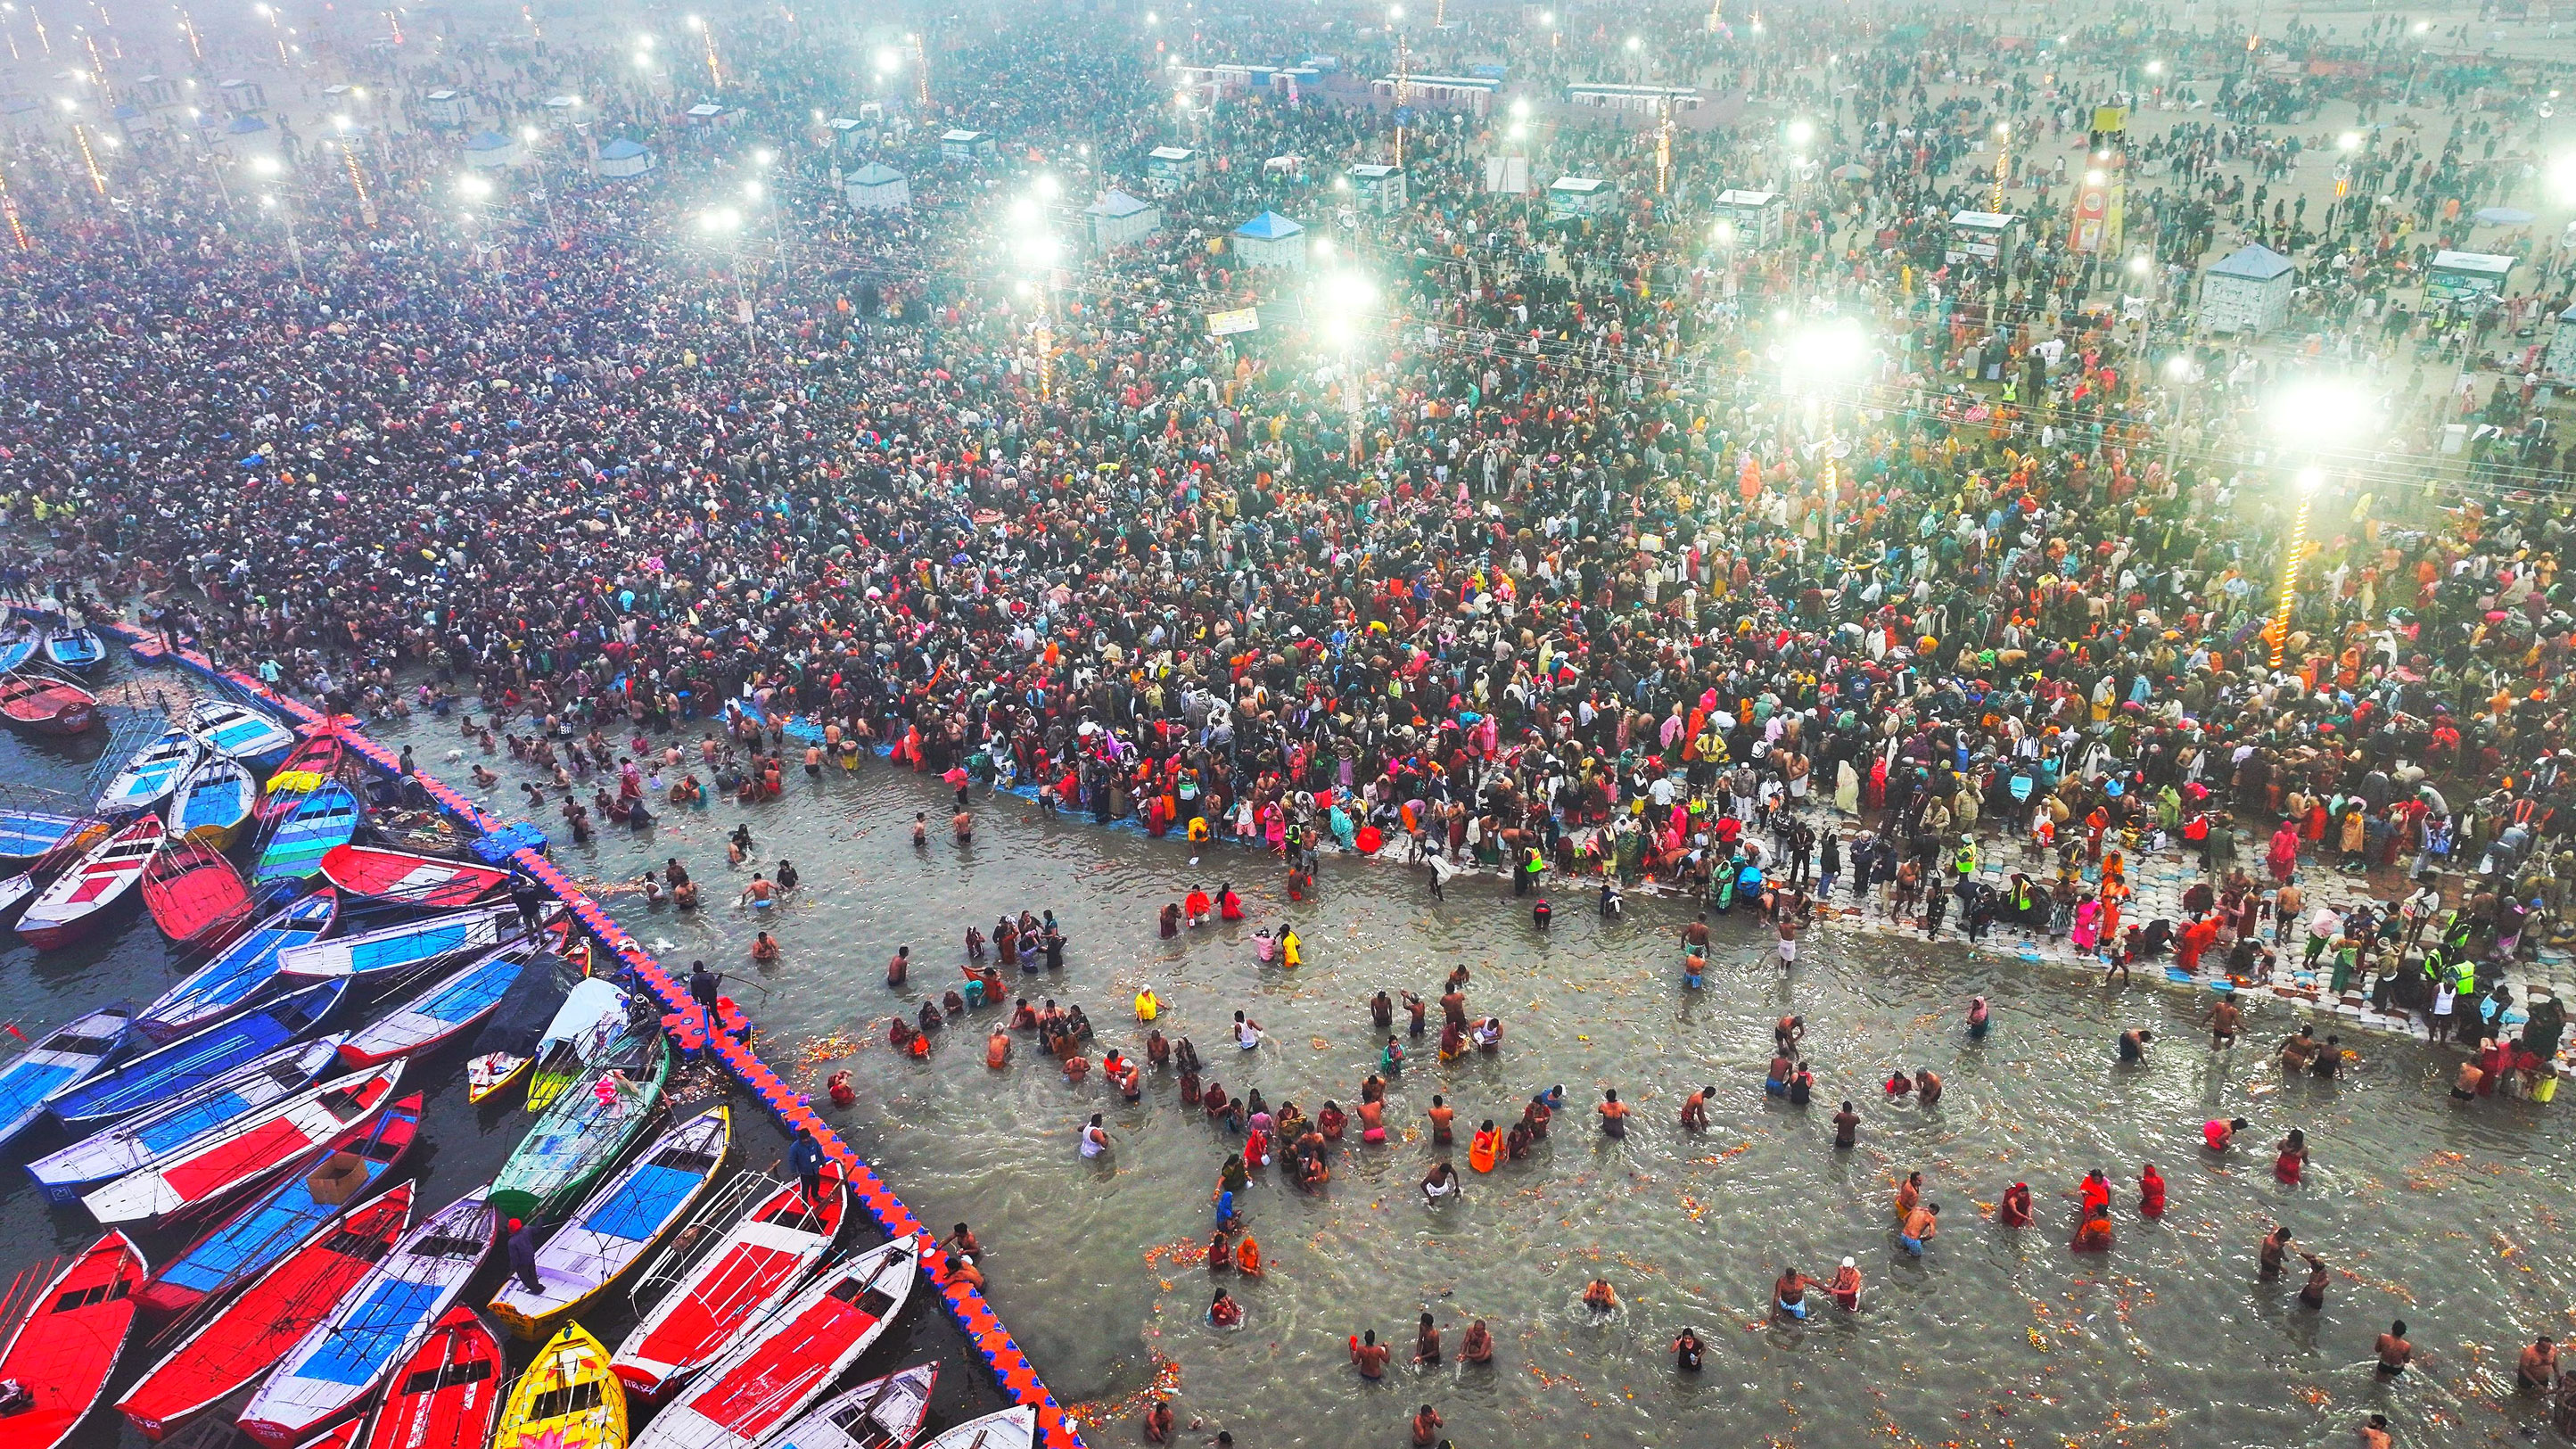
column 2178, row 367
column 265, row 165
column 2562, row 177
column 1037, row 250
column 2348, row 141
column 2309, row 480
column 751, row 190
column 763, row 156
column 1048, row 188
column 1024, row 212
column 2321, row 412
column 1521, row 109
column 1723, row 233
column 1342, row 296
column 1801, row 132
column 1824, row 354
column 473, row 188
column 2155, row 67
column 528, row 134
column 2139, row 265
column 888, row 61
column 720, row 218
column 1518, row 131
column 696, row 24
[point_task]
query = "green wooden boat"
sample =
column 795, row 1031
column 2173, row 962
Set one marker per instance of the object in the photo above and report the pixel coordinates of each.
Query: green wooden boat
column 585, row 1130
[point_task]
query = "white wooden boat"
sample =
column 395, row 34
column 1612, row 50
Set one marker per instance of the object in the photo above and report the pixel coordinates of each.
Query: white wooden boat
column 618, row 1223
column 791, row 1358
column 243, row 1150
column 336, row 1366
column 882, row 1413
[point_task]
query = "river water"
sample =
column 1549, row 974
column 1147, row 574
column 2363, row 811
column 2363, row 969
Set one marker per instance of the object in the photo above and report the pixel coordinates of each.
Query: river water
column 2446, row 1217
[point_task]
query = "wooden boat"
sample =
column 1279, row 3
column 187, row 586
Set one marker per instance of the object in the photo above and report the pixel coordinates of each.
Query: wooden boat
column 60, row 1060
column 406, row 947
column 339, row 1436
column 489, row 1073
column 224, row 1159
column 412, row 880
column 617, row 1225
column 18, row 645
column 306, row 768
column 447, row 1392
column 584, row 1131
column 566, row 1399
column 752, row 1267
column 882, row 1413
column 373, row 1326
column 162, row 1073
column 591, row 1020
column 279, row 1306
column 442, row 1011
column 1014, row 1428
column 62, row 1176
column 46, row 705
column 241, row 732
column 241, row 971
column 194, row 894
column 31, row 834
column 78, row 650
column 214, row 802
column 76, row 901
column 351, row 1165
column 153, row 775
column 784, row 1364
column 63, row 1351
column 325, row 820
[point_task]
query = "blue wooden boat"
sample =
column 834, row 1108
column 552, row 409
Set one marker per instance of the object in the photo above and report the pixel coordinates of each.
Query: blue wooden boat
column 194, row 1060
column 214, row 801
column 242, row 971
column 449, row 1006
column 60, row 1060
column 614, row 1227
column 78, row 650
column 18, row 646
column 327, row 819
column 62, row 1176
column 152, row 775
column 336, row 1365
column 273, row 1225
column 27, row 834
column 408, row 946
column 241, row 732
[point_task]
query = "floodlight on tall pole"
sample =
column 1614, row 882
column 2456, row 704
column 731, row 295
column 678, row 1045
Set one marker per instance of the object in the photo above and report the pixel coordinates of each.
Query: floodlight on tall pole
column 1343, row 296
column 2003, row 166
column 2310, row 417
column 707, row 33
column 9, row 209
column 1816, row 363
column 921, row 69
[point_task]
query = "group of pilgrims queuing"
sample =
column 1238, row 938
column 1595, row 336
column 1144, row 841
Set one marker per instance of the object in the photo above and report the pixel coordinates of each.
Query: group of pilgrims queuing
column 1555, row 548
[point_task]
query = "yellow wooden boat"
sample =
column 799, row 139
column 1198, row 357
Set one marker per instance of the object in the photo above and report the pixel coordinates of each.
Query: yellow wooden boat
column 569, row 1398
column 489, row 1073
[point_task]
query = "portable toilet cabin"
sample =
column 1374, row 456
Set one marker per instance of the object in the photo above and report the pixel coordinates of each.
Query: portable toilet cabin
column 443, row 108
column 1991, row 237
column 877, row 187
column 2247, row 291
column 1119, row 219
column 1569, row 197
column 153, row 92
column 1380, row 188
column 622, row 157
column 1271, row 240
column 241, row 97
column 1758, row 217
column 965, row 148
column 1169, row 168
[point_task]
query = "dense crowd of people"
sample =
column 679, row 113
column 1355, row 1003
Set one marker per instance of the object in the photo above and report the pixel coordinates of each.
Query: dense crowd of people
column 1531, row 560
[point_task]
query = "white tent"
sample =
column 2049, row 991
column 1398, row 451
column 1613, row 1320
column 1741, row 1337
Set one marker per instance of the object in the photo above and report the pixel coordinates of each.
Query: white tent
column 1119, row 219
column 877, row 187
column 623, row 157
column 1271, row 240
column 490, row 151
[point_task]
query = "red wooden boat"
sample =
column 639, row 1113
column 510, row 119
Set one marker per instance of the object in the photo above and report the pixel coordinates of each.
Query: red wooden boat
column 256, row 1328
column 195, row 896
column 770, row 1374
column 68, row 1344
column 301, row 773
column 46, row 705
column 448, row 1391
column 96, row 884
column 415, row 880
column 757, row 1264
